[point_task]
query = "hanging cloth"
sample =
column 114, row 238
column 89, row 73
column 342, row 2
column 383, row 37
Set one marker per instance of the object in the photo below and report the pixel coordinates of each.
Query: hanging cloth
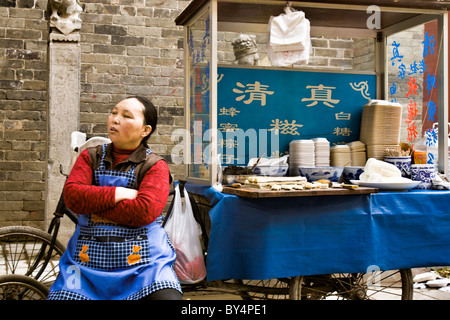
column 289, row 38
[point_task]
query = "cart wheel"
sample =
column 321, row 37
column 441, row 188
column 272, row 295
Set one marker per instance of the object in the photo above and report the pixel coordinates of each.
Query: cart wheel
column 273, row 289
column 384, row 285
column 20, row 287
column 25, row 251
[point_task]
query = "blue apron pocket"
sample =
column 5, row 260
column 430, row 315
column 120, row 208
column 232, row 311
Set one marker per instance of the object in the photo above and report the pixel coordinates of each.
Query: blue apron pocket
column 110, row 249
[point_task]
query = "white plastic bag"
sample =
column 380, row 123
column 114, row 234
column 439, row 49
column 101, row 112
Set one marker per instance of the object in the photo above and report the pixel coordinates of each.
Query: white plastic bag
column 184, row 232
column 289, row 31
column 289, row 38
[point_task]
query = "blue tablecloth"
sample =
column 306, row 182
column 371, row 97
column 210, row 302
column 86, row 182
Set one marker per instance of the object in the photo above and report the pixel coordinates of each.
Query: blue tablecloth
column 283, row 237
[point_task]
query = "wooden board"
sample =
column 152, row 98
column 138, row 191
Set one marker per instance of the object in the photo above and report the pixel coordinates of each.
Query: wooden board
column 265, row 193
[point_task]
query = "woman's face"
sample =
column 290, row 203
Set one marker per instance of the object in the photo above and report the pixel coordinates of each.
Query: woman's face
column 126, row 127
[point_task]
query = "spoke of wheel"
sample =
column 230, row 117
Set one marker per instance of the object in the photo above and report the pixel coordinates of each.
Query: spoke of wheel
column 18, row 252
column 382, row 288
column 347, row 283
column 265, row 289
column 10, row 253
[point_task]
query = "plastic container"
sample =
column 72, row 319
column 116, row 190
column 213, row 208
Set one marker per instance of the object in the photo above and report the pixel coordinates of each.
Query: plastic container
column 420, row 152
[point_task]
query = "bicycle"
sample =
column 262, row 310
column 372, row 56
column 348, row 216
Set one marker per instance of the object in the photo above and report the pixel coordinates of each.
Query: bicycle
column 20, row 287
column 31, row 256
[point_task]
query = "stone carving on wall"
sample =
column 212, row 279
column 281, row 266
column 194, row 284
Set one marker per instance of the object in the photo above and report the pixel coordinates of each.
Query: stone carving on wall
column 245, row 50
column 65, row 15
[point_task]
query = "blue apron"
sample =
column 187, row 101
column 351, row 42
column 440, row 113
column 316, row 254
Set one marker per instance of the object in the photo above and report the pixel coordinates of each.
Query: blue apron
column 106, row 261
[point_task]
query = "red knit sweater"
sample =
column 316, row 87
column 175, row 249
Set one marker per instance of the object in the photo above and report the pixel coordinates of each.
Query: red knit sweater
column 81, row 197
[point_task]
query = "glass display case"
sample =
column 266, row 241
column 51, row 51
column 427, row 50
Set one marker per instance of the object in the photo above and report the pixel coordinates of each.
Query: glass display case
column 239, row 105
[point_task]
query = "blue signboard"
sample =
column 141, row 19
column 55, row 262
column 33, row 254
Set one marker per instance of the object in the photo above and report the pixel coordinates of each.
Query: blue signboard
column 262, row 110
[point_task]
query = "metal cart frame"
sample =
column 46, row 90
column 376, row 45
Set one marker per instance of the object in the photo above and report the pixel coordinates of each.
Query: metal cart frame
column 328, row 18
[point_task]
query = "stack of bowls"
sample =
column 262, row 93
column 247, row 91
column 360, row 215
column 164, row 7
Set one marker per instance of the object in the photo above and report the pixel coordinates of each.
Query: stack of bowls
column 340, row 155
column 301, row 153
column 322, row 152
column 357, row 153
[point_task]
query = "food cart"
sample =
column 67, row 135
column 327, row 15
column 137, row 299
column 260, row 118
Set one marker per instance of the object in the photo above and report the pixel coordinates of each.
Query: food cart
column 318, row 233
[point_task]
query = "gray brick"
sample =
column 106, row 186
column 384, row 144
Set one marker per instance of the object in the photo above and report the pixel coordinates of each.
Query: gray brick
column 23, row 115
column 112, row 30
column 127, row 41
column 23, row 34
column 20, row 155
column 11, row 43
column 7, row 3
column 21, row 145
column 326, row 52
column 130, row 11
column 10, row 84
column 111, row 9
column 33, row 206
column 21, row 135
column 10, row 166
column 34, row 185
column 12, row 206
column 26, row 13
column 22, row 195
column 110, row 49
column 34, row 85
column 25, row 176
column 25, row 74
column 15, row 64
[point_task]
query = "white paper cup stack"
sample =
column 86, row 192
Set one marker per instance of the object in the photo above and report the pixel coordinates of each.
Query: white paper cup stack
column 301, row 153
column 322, row 152
column 340, row 155
column 357, row 153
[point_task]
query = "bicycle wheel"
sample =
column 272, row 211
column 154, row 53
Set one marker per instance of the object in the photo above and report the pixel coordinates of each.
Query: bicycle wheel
column 384, row 285
column 20, row 287
column 26, row 251
column 272, row 289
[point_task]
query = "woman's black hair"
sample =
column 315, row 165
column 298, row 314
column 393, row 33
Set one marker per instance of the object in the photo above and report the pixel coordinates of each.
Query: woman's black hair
column 150, row 115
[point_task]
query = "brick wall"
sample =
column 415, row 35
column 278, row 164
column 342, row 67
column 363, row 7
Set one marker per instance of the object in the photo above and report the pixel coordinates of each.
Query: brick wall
column 132, row 47
column 23, row 101
column 128, row 47
column 338, row 53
